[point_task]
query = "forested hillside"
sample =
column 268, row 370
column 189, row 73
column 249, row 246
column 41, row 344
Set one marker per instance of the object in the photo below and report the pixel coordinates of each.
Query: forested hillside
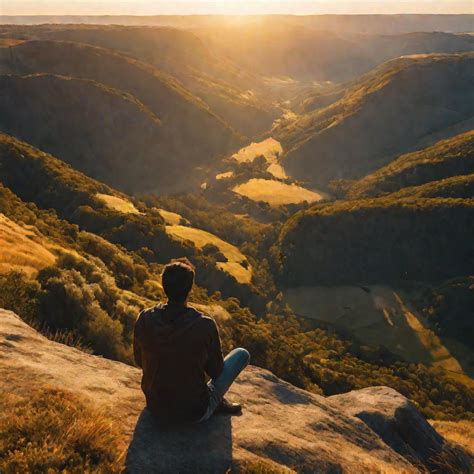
column 232, row 92
column 445, row 159
column 401, row 106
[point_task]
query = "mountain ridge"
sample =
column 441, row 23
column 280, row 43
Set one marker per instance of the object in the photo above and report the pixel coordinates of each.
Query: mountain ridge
column 364, row 129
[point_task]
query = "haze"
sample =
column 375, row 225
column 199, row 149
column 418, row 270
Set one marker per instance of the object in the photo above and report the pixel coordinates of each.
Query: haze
column 183, row 7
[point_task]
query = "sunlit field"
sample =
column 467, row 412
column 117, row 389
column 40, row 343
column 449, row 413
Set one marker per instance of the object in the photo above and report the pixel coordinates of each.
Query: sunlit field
column 460, row 432
column 171, row 218
column 236, row 263
column 225, row 175
column 118, row 204
column 270, row 149
column 20, row 249
column 276, row 193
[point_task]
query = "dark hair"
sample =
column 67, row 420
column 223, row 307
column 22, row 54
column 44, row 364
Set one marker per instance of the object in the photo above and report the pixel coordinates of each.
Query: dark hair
column 177, row 279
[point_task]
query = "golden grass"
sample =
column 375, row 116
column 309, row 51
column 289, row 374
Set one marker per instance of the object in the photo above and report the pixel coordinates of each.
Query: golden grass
column 277, row 171
column 226, row 175
column 276, row 193
column 21, row 249
column 7, row 42
column 55, row 431
column 270, row 148
column 200, row 238
column 118, row 204
column 458, row 432
column 171, row 218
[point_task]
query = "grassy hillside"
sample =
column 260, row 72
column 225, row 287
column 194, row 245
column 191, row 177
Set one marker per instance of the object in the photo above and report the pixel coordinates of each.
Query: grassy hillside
column 230, row 91
column 403, row 105
column 378, row 241
column 23, row 249
column 51, row 184
column 97, row 129
column 445, row 159
column 177, row 108
column 288, row 50
column 79, row 121
column 307, row 53
column 455, row 187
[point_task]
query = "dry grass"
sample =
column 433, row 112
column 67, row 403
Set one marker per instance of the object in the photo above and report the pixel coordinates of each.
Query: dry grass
column 226, row 175
column 171, row 218
column 118, row 204
column 55, row 431
column 7, row 42
column 276, row 193
column 200, row 238
column 458, row 432
column 270, row 148
column 21, row 249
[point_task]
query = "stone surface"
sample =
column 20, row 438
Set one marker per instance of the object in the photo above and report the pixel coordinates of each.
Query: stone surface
column 400, row 425
column 283, row 427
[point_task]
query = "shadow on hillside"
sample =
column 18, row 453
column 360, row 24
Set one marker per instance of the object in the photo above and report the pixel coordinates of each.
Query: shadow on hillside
column 205, row 447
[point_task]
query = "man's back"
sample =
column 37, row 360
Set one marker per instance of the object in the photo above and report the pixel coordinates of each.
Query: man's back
column 177, row 346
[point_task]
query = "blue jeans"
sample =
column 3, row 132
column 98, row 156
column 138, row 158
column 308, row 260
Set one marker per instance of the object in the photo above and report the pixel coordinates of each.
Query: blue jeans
column 234, row 363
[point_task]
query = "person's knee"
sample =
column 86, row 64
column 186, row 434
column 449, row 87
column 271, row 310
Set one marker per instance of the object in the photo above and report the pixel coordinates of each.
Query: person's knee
column 243, row 354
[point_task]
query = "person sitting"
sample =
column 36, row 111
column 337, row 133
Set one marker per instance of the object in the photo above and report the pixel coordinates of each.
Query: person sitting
column 177, row 347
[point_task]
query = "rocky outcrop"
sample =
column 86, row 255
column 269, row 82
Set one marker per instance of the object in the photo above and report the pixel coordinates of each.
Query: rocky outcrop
column 283, row 428
column 400, row 425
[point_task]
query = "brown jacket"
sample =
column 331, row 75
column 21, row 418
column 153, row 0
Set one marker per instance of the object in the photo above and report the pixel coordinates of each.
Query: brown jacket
column 176, row 346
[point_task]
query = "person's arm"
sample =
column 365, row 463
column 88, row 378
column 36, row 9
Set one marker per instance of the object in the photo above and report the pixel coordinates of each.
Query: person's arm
column 215, row 359
column 137, row 352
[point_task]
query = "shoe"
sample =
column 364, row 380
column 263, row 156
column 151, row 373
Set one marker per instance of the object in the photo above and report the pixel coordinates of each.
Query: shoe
column 227, row 408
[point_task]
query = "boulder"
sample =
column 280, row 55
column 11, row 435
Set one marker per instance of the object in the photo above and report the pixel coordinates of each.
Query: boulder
column 401, row 425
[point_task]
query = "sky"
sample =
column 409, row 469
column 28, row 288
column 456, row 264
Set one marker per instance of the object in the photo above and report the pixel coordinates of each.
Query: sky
column 184, row 7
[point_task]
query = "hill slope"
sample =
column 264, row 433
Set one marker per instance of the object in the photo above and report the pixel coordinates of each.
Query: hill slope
column 98, row 129
column 305, row 53
column 455, row 187
column 230, row 91
column 177, row 107
column 378, row 240
column 444, row 159
column 321, row 435
column 403, row 105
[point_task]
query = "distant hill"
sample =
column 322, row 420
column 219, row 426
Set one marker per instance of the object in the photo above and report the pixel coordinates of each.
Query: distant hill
column 305, row 53
column 230, row 91
column 177, row 107
column 445, row 159
column 454, row 187
column 288, row 50
column 384, row 47
column 378, row 241
column 403, row 105
column 98, row 129
column 368, row 23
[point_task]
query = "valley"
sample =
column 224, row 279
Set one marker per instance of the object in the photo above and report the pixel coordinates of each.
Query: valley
column 380, row 315
column 321, row 184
